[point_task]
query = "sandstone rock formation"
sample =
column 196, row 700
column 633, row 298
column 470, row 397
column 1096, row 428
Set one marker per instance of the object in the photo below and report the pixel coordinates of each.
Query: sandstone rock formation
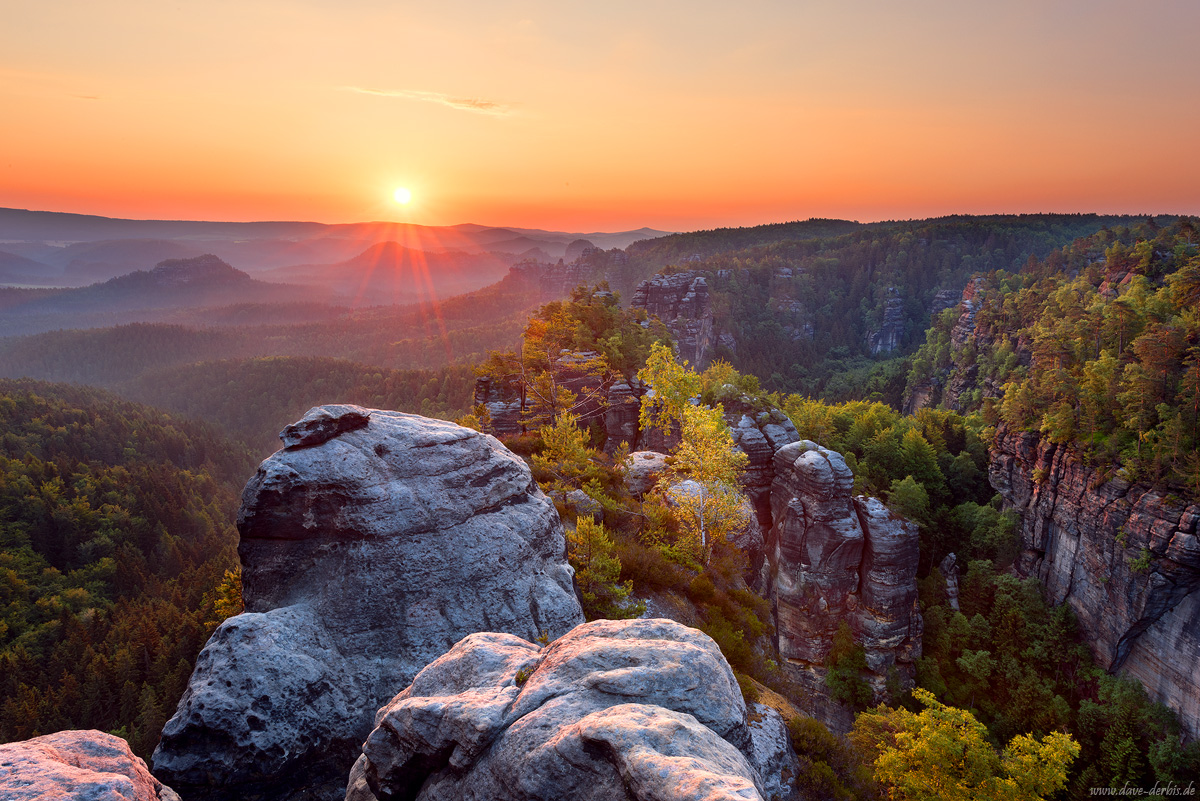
column 1125, row 557
column 364, row 557
column 77, row 764
column 642, row 470
column 633, row 709
column 681, row 300
column 759, row 434
column 622, row 409
column 613, row 402
column 835, row 558
column 886, row 338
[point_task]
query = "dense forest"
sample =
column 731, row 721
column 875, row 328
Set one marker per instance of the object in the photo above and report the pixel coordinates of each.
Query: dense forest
column 253, row 399
column 817, row 315
column 116, row 550
column 1097, row 345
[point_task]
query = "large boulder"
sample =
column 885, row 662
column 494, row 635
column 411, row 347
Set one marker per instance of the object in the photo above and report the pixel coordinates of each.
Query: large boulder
column 631, row 709
column 77, row 764
column 368, row 549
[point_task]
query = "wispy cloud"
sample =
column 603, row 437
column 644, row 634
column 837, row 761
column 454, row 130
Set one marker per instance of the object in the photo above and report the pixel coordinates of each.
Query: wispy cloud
column 476, row 104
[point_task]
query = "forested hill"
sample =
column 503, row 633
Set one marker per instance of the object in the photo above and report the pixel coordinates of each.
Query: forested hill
column 116, row 530
column 253, row 399
column 816, row 311
column 1098, row 345
column 460, row 330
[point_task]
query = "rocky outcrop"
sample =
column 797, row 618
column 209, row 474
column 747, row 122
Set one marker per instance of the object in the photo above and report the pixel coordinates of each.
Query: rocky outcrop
column 942, row 300
column 77, row 764
column 623, row 407
column 1124, row 556
column 556, row 280
column 886, row 338
column 682, row 302
column 759, row 434
column 364, row 557
column 642, row 470
column 504, row 403
column 632, row 709
column 835, row 558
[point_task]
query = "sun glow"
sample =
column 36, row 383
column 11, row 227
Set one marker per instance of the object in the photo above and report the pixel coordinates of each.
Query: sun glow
column 402, row 195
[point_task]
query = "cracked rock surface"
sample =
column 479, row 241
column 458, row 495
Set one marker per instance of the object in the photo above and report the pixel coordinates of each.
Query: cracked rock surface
column 630, row 709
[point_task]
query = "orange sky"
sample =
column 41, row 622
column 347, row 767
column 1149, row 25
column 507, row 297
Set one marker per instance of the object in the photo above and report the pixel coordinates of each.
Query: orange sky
column 598, row 116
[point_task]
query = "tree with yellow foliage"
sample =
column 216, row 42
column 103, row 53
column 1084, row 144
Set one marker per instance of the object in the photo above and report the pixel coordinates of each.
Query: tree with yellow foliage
column 942, row 754
column 701, row 479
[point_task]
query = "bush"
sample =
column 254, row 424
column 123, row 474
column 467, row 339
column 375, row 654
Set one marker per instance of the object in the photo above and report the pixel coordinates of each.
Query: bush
column 648, row 568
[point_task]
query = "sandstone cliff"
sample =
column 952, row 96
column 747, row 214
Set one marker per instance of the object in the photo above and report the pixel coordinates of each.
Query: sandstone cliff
column 370, row 545
column 886, row 338
column 1124, row 556
column 835, row 558
column 681, row 300
column 636, row 709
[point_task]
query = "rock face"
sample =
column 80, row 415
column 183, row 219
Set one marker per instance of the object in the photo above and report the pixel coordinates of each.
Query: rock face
column 613, row 403
column 835, row 558
column 759, row 434
column 623, row 406
column 681, row 300
column 1124, row 556
column 77, row 764
column 364, row 557
column 886, row 338
column 631, row 709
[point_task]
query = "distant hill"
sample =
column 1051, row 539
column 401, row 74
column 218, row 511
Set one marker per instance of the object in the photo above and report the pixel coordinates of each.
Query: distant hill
column 79, row 249
column 144, row 296
column 389, row 273
column 17, row 269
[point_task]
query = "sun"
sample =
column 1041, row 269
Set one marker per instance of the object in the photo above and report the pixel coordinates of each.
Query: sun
column 402, row 195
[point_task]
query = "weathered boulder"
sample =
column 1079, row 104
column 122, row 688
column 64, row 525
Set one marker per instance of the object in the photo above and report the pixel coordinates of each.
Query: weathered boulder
column 632, row 709
column 364, row 558
column 642, row 470
column 1124, row 556
column 585, row 505
column 77, row 764
column 771, row 753
column 835, row 559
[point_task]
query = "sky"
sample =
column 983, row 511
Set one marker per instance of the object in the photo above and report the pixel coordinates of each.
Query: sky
column 598, row 116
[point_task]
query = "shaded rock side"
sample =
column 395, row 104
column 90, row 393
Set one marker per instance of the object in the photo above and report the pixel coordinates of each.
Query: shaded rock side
column 886, row 338
column 632, row 709
column 1124, row 556
column 835, row 558
column 681, row 300
column 77, row 764
column 364, row 558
